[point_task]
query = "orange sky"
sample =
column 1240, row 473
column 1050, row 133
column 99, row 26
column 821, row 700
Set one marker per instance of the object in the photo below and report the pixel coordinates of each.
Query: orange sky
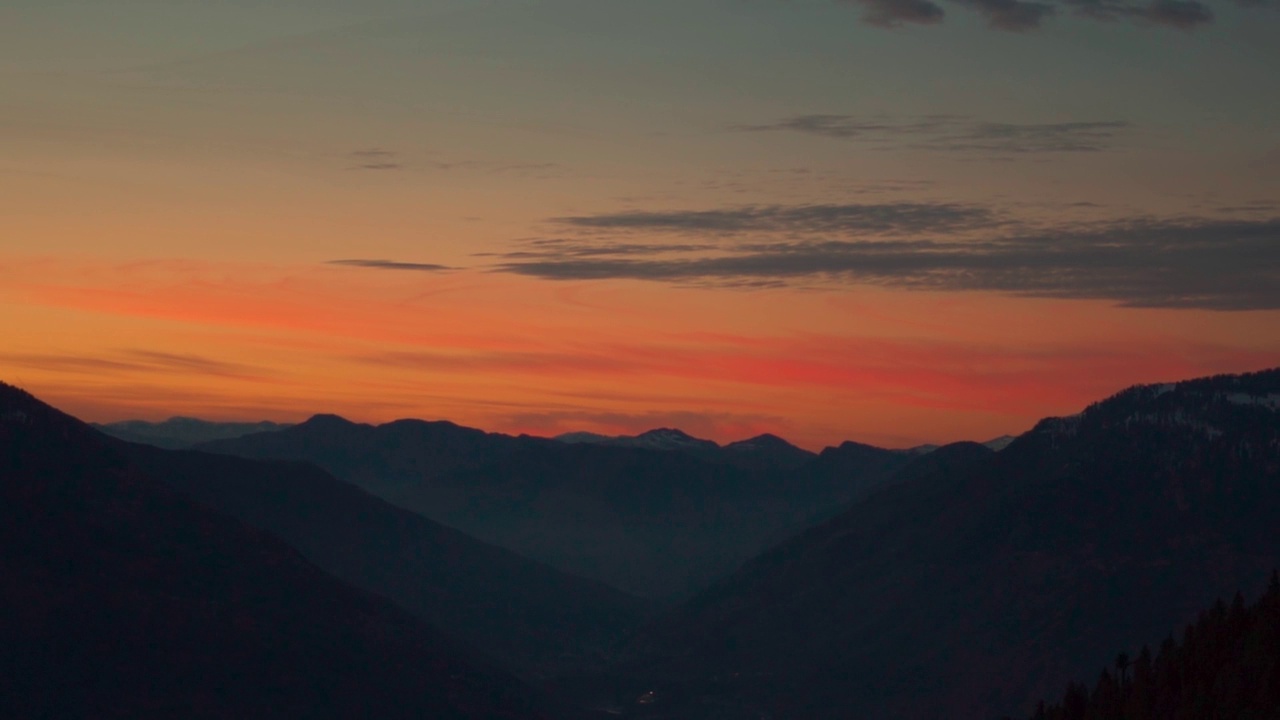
column 731, row 217
column 234, row 340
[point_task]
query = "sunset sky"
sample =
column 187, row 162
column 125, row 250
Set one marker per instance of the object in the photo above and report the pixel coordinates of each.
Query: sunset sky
column 891, row 221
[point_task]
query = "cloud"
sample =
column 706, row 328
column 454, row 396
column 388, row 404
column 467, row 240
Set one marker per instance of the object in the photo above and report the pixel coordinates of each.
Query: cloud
column 376, row 159
column 1025, row 15
column 953, row 133
column 132, row 361
column 380, row 159
column 390, row 265
column 1218, row 264
column 896, row 13
column 1182, row 14
column 1012, row 15
column 850, row 218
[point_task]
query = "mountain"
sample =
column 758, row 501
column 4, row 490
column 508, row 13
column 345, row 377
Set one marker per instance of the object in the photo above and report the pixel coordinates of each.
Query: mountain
column 760, row 452
column 975, row 582
column 767, row 452
column 652, row 521
column 527, row 615
column 1227, row 665
column 183, row 432
column 121, row 598
column 656, row 439
column 999, row 443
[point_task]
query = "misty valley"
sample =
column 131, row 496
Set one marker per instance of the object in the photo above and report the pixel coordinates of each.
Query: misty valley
column 1117, row 563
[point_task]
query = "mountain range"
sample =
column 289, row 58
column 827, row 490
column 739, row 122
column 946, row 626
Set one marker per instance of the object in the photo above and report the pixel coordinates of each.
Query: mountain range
column 975, row 582
column 183, row 432
column 660, row 515
column 305, row 571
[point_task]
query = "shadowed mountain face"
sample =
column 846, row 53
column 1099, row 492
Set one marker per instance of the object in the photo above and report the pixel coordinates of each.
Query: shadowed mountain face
column 181, row 432
column 533, row 618
column 976, row 582
column 119, row 598
column 659, row 518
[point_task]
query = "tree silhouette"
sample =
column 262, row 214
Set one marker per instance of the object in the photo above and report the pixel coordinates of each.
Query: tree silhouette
column 1227, row 667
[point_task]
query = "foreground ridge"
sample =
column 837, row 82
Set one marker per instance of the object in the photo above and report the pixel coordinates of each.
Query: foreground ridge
column 1227, row 665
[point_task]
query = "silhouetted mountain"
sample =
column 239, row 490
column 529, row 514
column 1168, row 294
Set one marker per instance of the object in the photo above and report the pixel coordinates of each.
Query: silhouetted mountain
column 650, row 520
column 182, row 432
column 976, row 582
column 996, row 444
column 767, row 452
column 763, row 452
column 1226, row 666
column 1000, row 443
column 582, row 437
column 120, row 598
column 531, row 617
column 656, row 439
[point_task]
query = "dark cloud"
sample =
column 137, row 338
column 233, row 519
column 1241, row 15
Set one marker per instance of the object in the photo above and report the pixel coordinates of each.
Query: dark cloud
column 1024, row 15
column 896, row 13
column 1179, row 263
column 952, row 133
column 843, row 219
column 562, row 247
column 1013, row 15
column 390, row 265
column 1184, row 14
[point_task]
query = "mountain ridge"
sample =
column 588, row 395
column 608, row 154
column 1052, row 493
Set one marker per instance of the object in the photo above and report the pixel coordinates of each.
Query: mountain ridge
column 123, row 598
column 972, row 588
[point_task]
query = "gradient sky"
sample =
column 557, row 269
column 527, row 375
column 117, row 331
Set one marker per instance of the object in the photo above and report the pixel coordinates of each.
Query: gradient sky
column 894, row 221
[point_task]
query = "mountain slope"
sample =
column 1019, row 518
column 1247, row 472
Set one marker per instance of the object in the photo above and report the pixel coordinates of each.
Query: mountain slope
column 969, row 589
column 655, row 522
column 530, row 616
column 182, row 432
column 119, row 598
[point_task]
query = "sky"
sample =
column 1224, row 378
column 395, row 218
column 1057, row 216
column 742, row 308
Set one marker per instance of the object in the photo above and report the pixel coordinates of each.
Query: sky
column 890, row 221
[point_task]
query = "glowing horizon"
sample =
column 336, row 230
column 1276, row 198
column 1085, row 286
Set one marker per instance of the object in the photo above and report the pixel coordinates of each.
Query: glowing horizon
column 554, row 216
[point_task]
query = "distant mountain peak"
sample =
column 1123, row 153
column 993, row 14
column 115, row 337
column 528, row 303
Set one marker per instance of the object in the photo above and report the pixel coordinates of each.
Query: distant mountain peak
column 999, row 443
column 576, row 438
column 328, row 420
column 763, row 440
column 667, row 432
column 663, row 438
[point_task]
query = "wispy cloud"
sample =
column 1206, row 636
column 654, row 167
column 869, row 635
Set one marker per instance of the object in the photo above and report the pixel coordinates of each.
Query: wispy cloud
column 896, row 13
column 382, row 159
column 131, row 361
column 1219, row 264
column 390, row 265
column 1182, row 14
column 1026, row 15
column 880, row 218
column 376, row 159
column 1012, row 15
column 952, row 133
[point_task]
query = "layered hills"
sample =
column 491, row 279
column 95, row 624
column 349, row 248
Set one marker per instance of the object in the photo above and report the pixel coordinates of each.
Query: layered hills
column 122, row 598
column 974, row 582
column 658, row 515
